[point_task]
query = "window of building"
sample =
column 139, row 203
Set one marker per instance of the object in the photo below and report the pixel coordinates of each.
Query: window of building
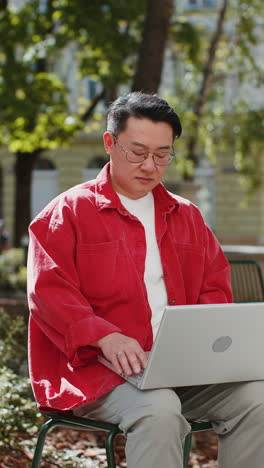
column 200, row 4
column 210, row 3
column 44, row 186
column 91, row 88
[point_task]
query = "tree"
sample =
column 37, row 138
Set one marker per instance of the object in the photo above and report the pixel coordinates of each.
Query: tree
column 107, row 34
column 209, row 57
column 152, row 47
column 34, row 113
column 206, row 81
column 113, row 38
column 134, row 36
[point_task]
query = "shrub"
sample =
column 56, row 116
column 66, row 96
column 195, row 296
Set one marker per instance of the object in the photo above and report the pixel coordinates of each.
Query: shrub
column 13, row 342
column 13, row 272
column 17, row 409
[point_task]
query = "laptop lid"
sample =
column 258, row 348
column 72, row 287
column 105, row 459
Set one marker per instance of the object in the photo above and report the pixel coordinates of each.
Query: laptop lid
column 206, row 344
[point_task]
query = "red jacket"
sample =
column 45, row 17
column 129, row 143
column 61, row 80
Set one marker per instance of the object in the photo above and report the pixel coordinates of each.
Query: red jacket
column 86, row 280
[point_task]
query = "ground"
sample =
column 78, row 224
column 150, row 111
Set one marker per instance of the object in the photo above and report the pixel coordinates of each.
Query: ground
column 69, row 449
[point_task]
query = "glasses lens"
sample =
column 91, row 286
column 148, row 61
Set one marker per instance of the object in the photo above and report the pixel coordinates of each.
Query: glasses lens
column 135, row 157
column 162, row 159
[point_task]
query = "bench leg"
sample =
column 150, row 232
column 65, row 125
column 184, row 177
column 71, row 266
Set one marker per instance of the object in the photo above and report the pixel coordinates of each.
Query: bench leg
column 109, row 447
column 109, row 442
column 41, row 441
column 187, row 449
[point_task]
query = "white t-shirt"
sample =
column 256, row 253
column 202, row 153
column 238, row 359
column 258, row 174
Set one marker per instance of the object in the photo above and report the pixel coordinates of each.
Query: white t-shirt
column 144, row 209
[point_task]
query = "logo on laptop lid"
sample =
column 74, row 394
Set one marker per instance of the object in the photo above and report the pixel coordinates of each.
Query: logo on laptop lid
column 222, row 344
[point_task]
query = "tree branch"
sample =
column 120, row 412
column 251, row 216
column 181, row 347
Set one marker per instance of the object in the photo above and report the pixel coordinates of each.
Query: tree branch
column 206, row 82
column 89, row 112
column 208, row 70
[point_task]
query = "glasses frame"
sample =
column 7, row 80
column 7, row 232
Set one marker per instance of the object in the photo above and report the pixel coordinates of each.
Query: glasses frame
column 145, row 156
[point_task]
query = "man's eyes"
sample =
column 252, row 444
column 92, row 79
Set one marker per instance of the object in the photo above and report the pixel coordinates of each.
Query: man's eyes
column 138, row 153
column 160, row 155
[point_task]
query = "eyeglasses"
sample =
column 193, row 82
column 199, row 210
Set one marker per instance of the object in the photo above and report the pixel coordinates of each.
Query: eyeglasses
column 160, row 158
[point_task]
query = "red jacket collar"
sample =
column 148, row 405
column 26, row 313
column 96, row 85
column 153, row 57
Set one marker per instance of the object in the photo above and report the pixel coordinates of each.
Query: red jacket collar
column 106, row 197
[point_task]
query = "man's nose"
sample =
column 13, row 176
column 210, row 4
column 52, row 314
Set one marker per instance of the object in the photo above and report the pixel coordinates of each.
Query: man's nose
column 148, row 163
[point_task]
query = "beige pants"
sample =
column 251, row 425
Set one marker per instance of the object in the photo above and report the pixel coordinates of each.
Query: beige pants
column 155, row 422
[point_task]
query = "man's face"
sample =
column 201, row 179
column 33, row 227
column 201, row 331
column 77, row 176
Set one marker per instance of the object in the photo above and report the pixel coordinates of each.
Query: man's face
column 135, row 180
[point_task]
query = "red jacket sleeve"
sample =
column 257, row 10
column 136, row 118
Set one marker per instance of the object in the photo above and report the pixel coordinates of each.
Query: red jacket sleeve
column 56, row 302
column 216, row 284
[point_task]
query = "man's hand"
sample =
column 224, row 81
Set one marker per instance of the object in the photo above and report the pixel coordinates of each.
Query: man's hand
column 125, row 354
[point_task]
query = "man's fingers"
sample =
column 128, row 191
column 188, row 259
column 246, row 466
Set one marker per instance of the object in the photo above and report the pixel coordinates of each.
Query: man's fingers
column 124, row 352
column 130, row 362
column 143, row 359
column 135, row 363
column 124, row 362
column 116, row 364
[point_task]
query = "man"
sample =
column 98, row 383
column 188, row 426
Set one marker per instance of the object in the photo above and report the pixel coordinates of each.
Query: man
column 105, row 258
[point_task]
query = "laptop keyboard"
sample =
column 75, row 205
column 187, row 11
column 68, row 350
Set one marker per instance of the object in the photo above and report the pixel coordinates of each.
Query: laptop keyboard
column 136, row 377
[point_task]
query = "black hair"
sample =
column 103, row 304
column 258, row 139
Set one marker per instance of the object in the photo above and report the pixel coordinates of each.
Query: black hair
column 141, row 105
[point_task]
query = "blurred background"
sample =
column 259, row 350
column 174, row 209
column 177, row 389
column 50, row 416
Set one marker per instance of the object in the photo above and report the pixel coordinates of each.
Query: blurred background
column 61, row 63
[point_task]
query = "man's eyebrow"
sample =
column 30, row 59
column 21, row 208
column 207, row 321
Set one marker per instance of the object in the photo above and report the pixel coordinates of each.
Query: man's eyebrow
column 137, row 143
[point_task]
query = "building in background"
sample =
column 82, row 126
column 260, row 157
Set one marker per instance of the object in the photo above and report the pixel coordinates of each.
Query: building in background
column 218, row 192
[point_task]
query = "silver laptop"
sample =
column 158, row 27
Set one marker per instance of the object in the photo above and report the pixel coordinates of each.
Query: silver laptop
column 205, row 344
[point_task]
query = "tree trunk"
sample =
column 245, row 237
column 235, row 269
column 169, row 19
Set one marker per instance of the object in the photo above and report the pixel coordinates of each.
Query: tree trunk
column 23, row 171
column 151, row 53
column 206, row 83
column 3, row 4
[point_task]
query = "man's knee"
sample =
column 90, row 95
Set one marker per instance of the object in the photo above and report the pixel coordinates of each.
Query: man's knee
column 254, row 397
column 164, row 405
column 250, row 399
column 161, row 408
column 251, row 393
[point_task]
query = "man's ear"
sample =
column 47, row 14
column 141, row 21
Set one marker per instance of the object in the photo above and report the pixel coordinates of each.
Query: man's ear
column 108, row 142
